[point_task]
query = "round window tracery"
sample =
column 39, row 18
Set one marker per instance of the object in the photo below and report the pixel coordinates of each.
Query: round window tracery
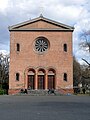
column 41, row 44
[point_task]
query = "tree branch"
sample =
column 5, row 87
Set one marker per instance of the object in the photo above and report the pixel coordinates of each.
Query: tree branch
column 86, row 62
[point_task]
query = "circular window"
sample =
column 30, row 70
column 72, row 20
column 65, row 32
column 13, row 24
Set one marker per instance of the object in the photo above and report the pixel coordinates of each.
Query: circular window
column 41, row 44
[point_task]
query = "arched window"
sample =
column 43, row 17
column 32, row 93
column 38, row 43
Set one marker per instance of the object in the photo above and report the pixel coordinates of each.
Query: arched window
column 18, row 47
column 41, row 79
column 65, row 47
column 51, row 79
column 17, row 76
column 31, row 79
column 65, row 77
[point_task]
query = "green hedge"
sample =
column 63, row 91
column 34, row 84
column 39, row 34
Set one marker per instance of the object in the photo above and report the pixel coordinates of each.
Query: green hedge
column 2, row 91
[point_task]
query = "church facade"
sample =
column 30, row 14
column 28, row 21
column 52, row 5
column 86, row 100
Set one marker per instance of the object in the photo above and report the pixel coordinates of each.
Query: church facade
column 41, row 56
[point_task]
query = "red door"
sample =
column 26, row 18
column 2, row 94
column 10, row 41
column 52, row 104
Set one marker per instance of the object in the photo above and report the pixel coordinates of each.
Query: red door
column 51, row 82
column 31, row 81
column 41, row 83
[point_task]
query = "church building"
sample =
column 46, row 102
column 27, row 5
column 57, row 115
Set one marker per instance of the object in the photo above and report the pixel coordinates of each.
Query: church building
column 41, row 56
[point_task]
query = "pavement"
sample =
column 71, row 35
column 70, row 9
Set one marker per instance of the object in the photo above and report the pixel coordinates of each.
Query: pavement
column 44, row 107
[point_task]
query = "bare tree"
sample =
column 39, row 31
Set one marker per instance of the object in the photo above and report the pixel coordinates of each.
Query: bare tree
column 76, row 72
column 85, row 40
column 86, row 75
column 85, row 43
column 4, row 68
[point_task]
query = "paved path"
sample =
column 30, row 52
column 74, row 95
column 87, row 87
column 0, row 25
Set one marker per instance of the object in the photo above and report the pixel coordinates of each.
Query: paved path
column 44, row 107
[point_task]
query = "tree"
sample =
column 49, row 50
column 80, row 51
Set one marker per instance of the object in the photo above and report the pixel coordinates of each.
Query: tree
column 85, row 40
column 84, row 37
column 4, row 69
column 76, row 72
column 86, row 74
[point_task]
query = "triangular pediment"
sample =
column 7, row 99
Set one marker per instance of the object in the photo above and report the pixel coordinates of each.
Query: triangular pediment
column 40, row 23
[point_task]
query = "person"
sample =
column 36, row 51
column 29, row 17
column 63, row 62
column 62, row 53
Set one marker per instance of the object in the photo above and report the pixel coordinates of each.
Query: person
column 83, row 90
column 50, row 91
column 21, row 91
column 29, row 88
column 25, row 91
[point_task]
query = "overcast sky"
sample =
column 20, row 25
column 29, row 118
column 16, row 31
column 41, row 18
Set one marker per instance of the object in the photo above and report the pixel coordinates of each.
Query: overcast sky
column 71, row 12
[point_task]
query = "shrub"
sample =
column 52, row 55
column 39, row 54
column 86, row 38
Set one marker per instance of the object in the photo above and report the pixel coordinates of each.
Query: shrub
column 2, row 92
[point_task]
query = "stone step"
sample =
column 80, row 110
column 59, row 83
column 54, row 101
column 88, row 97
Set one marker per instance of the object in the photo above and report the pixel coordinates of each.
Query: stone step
column 41, row 93
column 37, row 91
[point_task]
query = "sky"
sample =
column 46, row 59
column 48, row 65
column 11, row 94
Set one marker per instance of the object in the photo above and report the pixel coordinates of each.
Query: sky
column 75, row 13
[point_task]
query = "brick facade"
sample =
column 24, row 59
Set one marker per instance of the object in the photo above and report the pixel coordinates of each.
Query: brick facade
column 38, row 68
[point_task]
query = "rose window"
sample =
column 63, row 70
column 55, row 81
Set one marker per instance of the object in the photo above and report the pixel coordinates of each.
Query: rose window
column 41, row 44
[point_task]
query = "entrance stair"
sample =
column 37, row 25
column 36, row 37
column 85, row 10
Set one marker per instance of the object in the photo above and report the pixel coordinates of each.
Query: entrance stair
column 41, row 93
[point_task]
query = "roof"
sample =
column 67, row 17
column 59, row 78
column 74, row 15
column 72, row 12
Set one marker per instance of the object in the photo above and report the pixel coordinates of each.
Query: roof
column 61, row 27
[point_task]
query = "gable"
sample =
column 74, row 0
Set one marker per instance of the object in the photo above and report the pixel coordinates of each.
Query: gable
column 40, row 23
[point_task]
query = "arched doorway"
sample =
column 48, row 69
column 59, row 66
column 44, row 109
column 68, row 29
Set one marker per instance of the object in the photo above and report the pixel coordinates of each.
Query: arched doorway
column 51, row 79
column 41, row 79
column 31, row 79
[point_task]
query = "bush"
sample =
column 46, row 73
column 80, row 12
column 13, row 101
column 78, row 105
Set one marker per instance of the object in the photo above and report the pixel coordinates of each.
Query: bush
column 2, row 92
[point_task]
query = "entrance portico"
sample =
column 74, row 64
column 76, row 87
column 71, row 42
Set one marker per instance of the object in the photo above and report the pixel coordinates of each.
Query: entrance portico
column 41, row 79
